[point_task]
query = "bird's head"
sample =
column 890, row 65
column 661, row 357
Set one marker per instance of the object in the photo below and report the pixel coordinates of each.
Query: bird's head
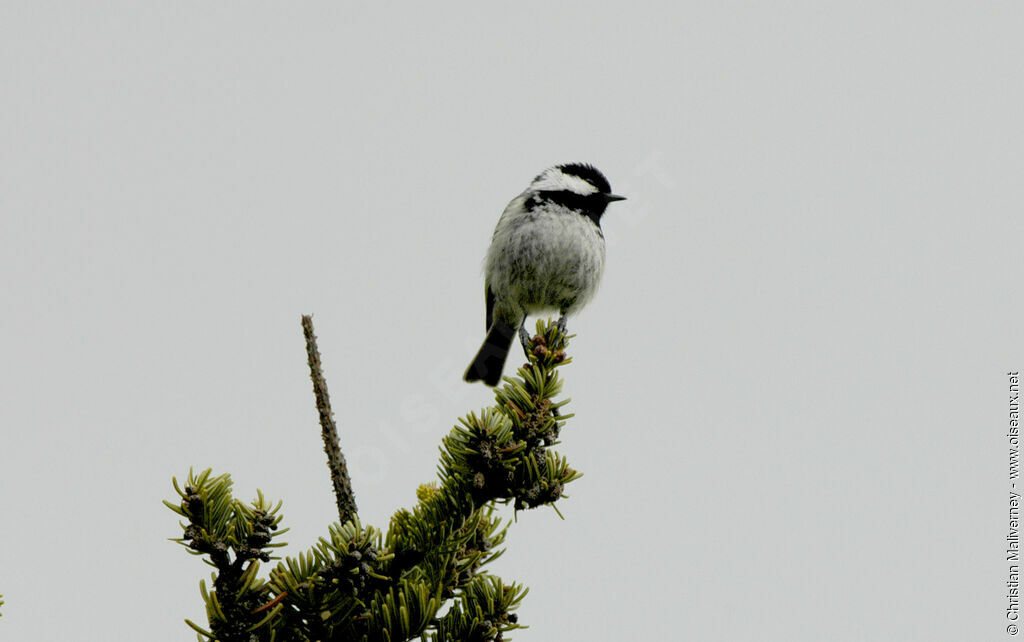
column 576, row 186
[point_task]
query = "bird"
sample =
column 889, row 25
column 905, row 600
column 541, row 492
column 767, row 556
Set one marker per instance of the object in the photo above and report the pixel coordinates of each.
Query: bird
column 546, row 254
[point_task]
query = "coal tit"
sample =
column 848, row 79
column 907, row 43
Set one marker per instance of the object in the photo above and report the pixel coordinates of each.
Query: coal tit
column 547, row 253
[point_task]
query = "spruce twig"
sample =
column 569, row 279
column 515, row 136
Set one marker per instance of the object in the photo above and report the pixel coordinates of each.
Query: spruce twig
column 363, row 585
column 343, row 494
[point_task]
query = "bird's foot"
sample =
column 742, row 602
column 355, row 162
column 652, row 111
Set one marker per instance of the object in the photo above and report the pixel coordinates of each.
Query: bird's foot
column 562, row 324
column 524, row 338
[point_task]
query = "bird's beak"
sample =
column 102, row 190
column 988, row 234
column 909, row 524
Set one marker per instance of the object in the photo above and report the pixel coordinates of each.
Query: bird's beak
column 614, row 197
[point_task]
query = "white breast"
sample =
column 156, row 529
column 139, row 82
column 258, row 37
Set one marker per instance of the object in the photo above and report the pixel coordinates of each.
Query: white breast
column 549, row 259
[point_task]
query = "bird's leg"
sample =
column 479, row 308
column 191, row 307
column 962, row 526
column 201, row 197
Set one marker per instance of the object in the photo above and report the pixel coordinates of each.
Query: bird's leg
column 561, row 324
column 524, row 338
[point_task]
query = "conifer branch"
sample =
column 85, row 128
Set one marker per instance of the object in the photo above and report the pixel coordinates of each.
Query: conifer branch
column 361, row 584
column 343, row 494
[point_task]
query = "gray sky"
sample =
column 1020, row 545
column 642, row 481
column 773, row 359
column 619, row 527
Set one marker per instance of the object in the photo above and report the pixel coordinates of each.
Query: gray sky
column 790, row 392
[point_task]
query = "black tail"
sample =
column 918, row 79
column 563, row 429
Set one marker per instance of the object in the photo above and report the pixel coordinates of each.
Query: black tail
column 488, row 363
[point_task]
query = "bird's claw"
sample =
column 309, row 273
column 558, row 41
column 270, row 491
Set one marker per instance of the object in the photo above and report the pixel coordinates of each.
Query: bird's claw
column 524, row 338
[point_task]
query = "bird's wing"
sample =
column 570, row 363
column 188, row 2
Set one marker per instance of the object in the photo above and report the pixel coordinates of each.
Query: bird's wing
column 489, row 304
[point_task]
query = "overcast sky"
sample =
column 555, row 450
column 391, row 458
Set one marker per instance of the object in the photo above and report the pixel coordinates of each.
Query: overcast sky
column 790, row 393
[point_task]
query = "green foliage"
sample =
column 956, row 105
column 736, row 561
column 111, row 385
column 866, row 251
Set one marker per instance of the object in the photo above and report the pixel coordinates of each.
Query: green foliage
column 360, row 584
column 236, row 537
column 482, row 612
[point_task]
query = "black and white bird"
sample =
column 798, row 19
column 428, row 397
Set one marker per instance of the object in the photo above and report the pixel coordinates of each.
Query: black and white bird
column 547, row 253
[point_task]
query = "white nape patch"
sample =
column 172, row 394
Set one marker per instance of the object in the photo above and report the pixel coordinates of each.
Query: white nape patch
column 555, row 180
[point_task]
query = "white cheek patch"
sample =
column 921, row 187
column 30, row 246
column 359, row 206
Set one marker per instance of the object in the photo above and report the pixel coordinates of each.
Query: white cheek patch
column 555, row 180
